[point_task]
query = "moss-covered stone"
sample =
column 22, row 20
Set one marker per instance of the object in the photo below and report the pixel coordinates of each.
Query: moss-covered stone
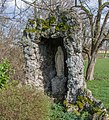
column 31, row 21
column 84, row 103
column 62, row 23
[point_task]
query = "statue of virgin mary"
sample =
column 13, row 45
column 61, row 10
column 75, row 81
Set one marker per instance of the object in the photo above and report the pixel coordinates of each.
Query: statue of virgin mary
column 59, row 62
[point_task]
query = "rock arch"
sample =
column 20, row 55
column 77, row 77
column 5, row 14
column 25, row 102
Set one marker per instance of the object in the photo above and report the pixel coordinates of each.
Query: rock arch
column 41, row 50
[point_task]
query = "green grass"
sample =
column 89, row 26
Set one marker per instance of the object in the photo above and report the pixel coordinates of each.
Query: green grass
column 100, row 86
column 102, row 69
column 100, row 90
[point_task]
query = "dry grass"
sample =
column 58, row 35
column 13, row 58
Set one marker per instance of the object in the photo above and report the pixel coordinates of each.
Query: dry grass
column 15, row 56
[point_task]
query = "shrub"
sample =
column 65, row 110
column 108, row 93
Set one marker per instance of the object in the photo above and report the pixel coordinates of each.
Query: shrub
column 15, row 55
column 5, row 69
column 23, row 103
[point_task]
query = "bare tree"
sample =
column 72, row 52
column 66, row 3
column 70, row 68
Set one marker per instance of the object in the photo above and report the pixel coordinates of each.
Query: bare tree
column 96, row 33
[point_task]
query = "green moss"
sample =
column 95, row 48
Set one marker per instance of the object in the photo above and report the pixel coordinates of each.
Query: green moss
column 45, row 24
column 31, row 30
column 31, row 21
column 57, row 28
column 52, row 19
column 80, row 104
column 82, row 99
column 96, row 109
column 76, row 112
column 90, row 101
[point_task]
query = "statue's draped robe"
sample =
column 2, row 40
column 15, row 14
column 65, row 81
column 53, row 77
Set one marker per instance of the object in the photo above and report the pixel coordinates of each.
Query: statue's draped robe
column 59, row 62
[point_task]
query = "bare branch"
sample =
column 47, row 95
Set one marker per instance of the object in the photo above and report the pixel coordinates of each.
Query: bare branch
column 106, row 38
column 104, row 24
column 106, row 4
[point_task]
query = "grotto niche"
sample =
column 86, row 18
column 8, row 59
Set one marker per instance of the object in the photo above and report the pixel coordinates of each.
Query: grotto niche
column 54, row 63
column 52, row 49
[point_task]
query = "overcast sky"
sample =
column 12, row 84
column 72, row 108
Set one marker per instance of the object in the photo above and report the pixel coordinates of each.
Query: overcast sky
column 20, row 4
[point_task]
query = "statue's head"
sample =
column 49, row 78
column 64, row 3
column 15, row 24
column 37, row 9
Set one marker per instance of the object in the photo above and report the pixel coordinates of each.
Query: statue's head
column 59, row 48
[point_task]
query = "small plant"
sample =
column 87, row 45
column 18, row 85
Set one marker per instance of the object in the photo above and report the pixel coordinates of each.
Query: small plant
column 58, row 112
column 85, row 116
column 5, row 69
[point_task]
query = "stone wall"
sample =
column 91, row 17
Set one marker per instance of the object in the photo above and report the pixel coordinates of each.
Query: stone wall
column 33, row 64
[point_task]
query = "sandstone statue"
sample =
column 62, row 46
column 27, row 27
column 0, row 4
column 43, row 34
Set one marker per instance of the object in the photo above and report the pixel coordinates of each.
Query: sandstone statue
column 59, row 62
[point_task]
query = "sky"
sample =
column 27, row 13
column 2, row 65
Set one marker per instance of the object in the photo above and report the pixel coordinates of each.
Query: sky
column 20, row 4
column 11, row 10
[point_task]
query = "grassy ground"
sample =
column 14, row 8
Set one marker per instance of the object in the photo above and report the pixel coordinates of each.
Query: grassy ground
column 100, row 86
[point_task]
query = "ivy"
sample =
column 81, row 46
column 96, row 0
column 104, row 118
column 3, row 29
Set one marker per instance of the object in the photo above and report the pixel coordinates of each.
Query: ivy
column 5, row 69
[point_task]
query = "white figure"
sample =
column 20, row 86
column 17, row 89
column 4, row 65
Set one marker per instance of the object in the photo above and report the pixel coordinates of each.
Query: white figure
column 59, row 62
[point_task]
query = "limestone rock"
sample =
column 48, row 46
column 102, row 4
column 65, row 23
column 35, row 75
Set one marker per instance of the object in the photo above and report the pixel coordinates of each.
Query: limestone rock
column 58, row 86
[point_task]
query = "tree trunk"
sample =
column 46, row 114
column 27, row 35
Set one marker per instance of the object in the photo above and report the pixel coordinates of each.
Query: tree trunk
column 90, row 68
column 105, row 53
column 106, row 48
